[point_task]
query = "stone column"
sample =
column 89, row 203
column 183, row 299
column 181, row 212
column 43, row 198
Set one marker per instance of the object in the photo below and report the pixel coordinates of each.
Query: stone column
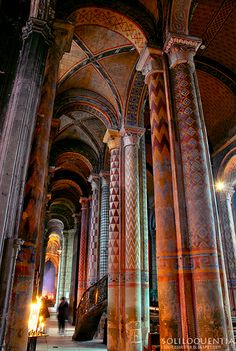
column 229, row 243
column 55, row 226
column 166, row 243
column 112, row 138
column 133, row 300
column 153, row 266
column 93, row 250
column 62, row 276
column 16, row 137
column 144, row 245
column 82, row 269
column 68, row 262
column 198, row 256
column 35, row 184
column 75, row 268
column 104, row 224
column 11, row 249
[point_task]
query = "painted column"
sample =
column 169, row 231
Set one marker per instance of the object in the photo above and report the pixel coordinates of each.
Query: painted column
column 104, row 224
column 34, row 189
column 166, row 243
column 198, row 256
column 112, row 138
column 75, row 268
column 229, row 243
column 68, row 262
column 144, row 245
column 152, row 249
column 10, row 252
column 133, row 296
column 94, row 232
column 82, row 279
column 62, row 277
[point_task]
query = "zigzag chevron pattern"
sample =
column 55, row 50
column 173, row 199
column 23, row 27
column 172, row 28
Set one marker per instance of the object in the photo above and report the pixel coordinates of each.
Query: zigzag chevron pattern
column 166, row 238
column 160, row 142
column 114, row 213
column 132, row 245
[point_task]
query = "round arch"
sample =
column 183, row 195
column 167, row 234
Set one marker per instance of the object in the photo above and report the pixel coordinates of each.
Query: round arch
column 227, row 169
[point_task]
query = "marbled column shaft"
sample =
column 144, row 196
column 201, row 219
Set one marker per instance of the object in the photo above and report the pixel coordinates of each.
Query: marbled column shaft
column 94, row 232
column 198, row 256
column 104, row 225
column 133, row 300
column 82, row 279
column 112, row 138
column 34, row 188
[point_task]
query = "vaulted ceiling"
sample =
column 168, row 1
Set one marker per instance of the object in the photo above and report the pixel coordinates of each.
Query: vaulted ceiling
column 96, row 77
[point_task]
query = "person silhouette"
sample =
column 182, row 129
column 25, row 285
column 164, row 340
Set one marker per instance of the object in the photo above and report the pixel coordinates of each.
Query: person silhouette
column 62, row 314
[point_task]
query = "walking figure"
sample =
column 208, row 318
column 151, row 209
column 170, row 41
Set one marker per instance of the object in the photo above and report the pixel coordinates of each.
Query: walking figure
column 62, row 314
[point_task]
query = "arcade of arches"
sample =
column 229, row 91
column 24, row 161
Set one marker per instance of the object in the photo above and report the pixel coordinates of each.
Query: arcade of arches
column 117, row 120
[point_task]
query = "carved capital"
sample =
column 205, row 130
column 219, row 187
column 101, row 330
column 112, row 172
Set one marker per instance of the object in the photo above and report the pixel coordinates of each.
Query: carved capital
column 77, row 217
column 35, row 25
column 94, row 180
column 112, row 139
column 150, row 62
column 105, row 177
column 132, row 135
column 63, row 34
column 84, row 203
column 55, row 225
column 17, row 243
column 181, row 49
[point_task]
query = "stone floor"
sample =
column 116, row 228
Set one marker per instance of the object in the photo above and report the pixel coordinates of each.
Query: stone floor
column 54, row 341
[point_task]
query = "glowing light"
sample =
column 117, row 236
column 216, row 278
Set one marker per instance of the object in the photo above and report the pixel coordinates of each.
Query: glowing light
column 220, row 186
column 34, row 315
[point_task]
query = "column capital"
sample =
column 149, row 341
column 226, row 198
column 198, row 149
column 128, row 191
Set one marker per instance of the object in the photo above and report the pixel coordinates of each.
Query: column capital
column 105, row 177
column 63, row 33
column 112, row 139
column 150, row 62
column 227, row 193
column 181, row 49
column 84, row 201
column 55, row 225
column 35, row 25
column 17, row 243
column 77, row 217
column 132, row 135
column 94, row 180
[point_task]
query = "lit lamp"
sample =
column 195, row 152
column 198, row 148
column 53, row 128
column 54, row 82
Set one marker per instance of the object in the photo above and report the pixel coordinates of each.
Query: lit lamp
column 220, row 186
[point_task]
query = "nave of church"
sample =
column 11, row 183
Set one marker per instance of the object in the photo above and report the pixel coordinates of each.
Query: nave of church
column 118, row 172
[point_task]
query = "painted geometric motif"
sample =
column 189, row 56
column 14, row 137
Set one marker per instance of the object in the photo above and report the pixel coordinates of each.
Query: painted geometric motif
column 114, row 214
column 113, row 21
column 194, row 160
column 94, row 232
column 132, row 247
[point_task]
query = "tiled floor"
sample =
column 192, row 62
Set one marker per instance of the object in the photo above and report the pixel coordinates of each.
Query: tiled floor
column 54, row 341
